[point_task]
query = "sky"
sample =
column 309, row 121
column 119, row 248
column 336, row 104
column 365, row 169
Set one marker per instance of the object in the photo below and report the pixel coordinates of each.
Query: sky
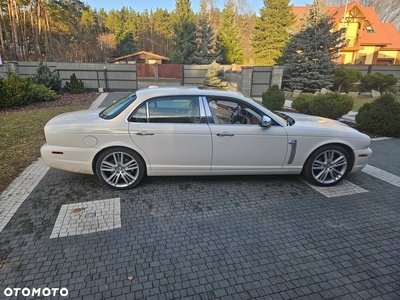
column 140, row 5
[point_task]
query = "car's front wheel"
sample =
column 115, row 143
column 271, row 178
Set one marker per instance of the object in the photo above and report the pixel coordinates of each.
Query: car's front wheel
column 327, row 165
column 120, row 168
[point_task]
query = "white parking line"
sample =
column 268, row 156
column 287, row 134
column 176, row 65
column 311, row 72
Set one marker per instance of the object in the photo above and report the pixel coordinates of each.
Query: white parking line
column 16, row 193
column 344, row 188
column 382, row 175
column 87, row 217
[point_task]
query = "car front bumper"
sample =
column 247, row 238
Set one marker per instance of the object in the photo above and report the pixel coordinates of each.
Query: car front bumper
column 361, row 158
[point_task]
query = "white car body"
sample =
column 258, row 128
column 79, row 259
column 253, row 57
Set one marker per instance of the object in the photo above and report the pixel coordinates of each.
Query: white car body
column 74, row 141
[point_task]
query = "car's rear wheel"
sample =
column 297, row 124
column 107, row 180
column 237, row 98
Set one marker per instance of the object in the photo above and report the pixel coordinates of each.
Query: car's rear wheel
column 120, row 168
column 327, row 165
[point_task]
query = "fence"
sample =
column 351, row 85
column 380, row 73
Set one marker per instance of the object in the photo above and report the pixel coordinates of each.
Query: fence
column 94, row 75
column 251, row 81
column 370, row 69
column 156, row 71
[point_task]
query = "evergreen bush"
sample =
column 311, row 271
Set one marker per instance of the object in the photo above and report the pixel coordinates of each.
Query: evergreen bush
column 75, row 86
column 380, row 117
column 344, row 78
column 15, row 91
column 41, row 93
column 378, row 81
column 273, row 98
column 43, row 76
column 302, row 103
column 331, row 105
column 215, row 75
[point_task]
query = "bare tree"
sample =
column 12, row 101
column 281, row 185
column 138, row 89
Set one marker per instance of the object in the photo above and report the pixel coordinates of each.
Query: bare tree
column 387, row 10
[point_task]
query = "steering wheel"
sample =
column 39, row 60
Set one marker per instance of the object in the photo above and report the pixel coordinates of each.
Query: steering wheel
column 235, row 116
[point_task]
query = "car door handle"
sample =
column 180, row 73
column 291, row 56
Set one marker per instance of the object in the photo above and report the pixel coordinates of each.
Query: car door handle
column 145, row 133
column 225, row 134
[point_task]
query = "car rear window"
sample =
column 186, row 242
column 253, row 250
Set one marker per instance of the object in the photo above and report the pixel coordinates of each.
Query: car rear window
column 117, row 107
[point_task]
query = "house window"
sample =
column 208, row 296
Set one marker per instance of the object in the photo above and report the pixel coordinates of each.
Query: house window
column 361, row 60
column 369, row 29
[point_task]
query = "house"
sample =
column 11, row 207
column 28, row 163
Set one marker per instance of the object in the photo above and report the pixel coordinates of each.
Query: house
column 370, row 41
column 141, row 57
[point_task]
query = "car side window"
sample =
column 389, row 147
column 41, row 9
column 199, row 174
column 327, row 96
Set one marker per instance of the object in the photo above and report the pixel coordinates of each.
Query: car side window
column 169, row 110
column 232, row 112
column 140, row 115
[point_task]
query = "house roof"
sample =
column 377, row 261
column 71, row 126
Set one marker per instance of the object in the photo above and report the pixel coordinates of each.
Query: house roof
column 142, row 55
column 394, row 36
column 385, row 34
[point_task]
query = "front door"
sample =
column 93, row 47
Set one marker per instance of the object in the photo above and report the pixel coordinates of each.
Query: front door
column 240, row 143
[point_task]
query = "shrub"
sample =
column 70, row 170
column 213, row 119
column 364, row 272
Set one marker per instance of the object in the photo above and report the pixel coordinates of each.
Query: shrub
column 273, row 98
column 331, row 105
column 75, row 86
column 42, row 93
column 15, row 91
column 214, row 76
column 302, row 103
column 378, row 81
column 344, row 78
column 380, row 116
column 43, row 76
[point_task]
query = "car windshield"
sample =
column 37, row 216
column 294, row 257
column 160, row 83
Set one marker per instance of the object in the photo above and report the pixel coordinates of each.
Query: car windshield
column 117, row 107
column 289, row 120
column 275, row 114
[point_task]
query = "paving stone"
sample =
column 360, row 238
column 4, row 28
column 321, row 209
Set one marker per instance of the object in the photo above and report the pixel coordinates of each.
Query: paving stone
column 258, row 237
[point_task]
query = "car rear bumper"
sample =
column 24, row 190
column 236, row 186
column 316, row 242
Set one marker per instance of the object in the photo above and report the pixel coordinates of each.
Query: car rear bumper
column 78, row 160
column 361, row 158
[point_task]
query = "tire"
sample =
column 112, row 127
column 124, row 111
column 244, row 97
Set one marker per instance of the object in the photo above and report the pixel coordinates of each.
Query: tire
column 120, row 168
column 327, row 165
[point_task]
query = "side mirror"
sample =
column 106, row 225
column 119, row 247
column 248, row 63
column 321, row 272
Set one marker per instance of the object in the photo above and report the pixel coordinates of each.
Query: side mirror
column 265, row 121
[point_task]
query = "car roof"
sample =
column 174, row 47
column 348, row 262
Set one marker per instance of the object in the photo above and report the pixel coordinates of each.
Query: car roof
column 185, row 90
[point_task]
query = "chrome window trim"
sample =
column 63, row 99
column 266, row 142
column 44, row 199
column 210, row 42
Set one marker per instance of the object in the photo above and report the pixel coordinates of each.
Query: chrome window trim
column 205, row 111
column 147, row 111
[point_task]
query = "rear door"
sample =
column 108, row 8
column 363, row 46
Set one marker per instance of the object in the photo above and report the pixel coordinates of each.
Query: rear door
column 170, row 133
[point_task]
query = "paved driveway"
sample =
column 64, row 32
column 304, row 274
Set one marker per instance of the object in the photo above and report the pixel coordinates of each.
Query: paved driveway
column 255, row 237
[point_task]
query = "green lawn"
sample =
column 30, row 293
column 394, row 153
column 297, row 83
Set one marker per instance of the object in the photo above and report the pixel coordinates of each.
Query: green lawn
column 359, row 102
column 21, row 137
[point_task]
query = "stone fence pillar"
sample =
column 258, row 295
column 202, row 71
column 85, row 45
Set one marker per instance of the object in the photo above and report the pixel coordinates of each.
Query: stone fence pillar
column 245, row 81
column 277, row 75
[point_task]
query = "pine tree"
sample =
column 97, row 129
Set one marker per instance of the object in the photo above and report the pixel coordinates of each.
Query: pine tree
column 184, row 29
column 271, row 31
column 228, row 39
column 127, row 45
column 205, row 53
column 309, row 54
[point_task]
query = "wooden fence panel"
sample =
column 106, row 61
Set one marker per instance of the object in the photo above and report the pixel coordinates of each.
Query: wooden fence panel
column 145, row 70
column 170, row 71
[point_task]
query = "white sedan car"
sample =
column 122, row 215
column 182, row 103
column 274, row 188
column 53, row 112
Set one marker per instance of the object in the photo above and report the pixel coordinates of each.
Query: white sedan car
column 189, row 131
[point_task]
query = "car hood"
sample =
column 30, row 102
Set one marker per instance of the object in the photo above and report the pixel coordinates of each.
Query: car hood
column 313, row 121
column 76, row 117
column 321, row 126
